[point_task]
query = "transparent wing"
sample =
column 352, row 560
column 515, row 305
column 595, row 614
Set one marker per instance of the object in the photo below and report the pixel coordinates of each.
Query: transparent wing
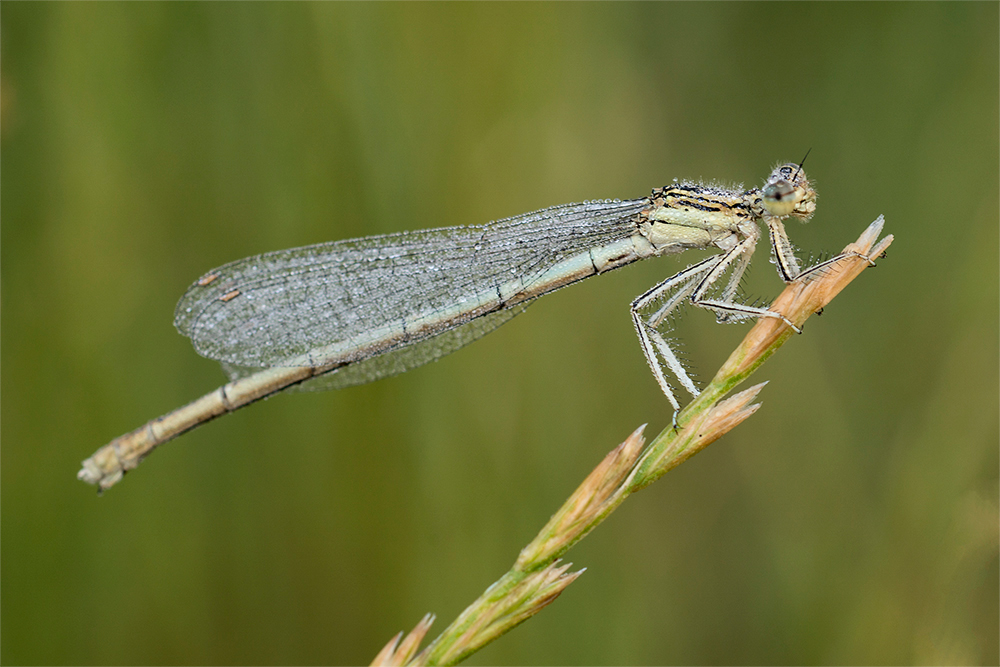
column 398, row 360
column 265, row 310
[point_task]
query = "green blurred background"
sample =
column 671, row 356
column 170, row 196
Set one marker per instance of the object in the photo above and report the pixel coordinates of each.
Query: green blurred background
column 852, row 520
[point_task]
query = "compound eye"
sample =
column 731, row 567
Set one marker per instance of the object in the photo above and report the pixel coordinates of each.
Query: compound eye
column 781, row 197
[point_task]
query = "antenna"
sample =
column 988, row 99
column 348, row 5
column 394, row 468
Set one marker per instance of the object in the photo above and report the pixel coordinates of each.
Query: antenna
column 802, row 163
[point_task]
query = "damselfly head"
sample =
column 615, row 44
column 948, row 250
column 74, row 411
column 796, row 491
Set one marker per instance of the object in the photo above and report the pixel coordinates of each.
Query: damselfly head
column 788, row 193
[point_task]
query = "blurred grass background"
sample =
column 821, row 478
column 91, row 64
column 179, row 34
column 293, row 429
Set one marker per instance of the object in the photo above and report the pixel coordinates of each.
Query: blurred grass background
column 852, row 520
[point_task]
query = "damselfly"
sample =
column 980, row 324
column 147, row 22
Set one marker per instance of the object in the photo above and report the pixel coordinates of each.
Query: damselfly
column 348, row 312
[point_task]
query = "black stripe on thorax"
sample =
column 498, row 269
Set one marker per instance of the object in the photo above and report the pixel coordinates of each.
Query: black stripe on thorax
column 676, row 202
column 701, row 195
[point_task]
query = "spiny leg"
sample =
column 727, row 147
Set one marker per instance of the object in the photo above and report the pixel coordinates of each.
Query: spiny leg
column 691, row 283
column 652, row 342
column 728, row 294
column 695, row 283
column 786, row 262
column 726, row 307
